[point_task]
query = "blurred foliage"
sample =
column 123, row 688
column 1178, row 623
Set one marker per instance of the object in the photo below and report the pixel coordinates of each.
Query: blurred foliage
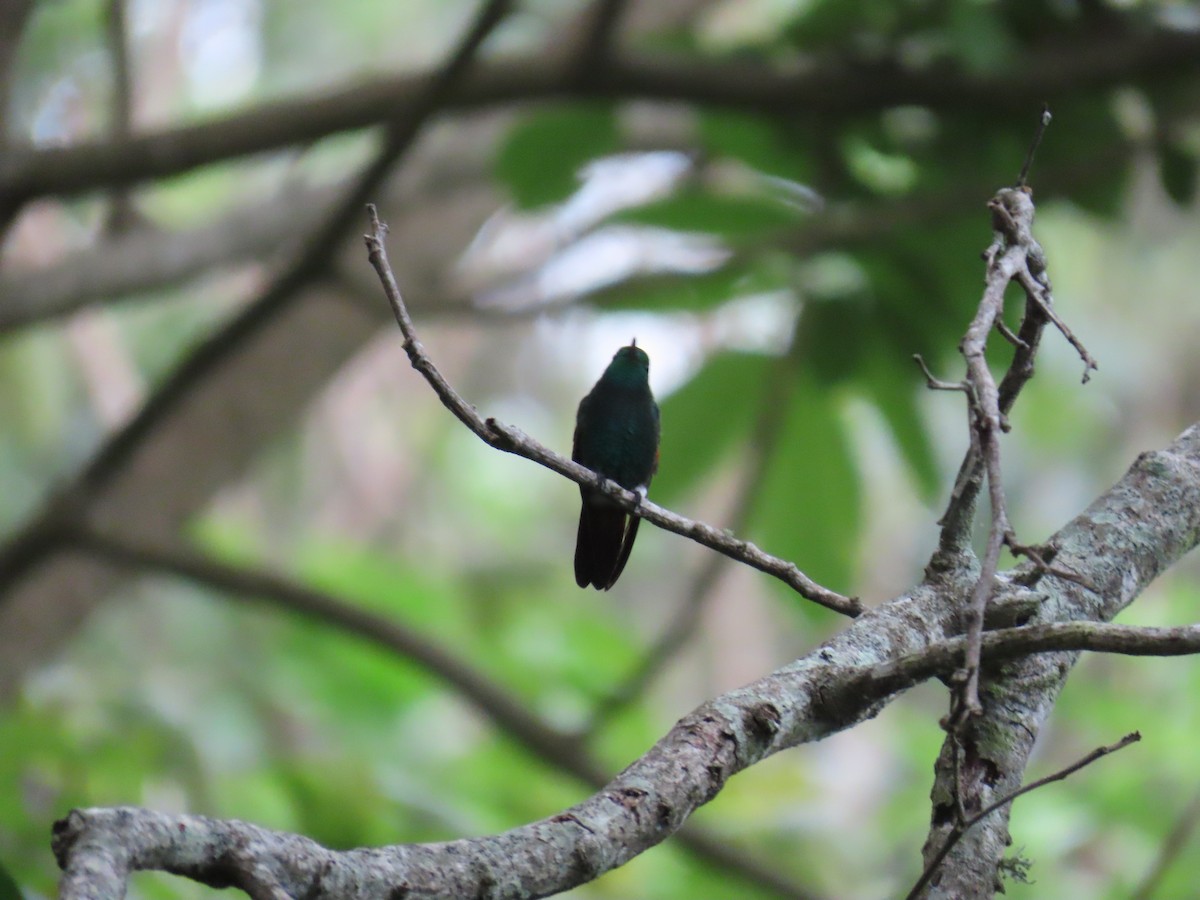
column 8, row 887
column 540, row 160
column 178, row 698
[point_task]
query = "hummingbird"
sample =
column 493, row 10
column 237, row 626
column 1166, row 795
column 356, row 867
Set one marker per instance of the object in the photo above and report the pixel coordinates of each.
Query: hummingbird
column 616, row 435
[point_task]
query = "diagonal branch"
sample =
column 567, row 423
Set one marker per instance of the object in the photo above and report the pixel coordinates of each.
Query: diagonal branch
column 833, row 688
column 29, row 548
column 962, row 828
column 564, row 751
column 505, row 711
column 512, row 440
column 311, row 259
column 1019, row 695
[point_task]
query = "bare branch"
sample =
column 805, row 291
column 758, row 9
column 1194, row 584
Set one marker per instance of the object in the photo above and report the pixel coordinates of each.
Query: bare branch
column 1005, row 257
column 936, row 384
column 956, row 834
column 1043, row 123
column 512, row 440
column 1014, row 255
column 310, row 260
column 1087, row 62
column 1009, row 643
column 1038, row 291
column 1143, row 533
column 835, row 687
column 564, row 751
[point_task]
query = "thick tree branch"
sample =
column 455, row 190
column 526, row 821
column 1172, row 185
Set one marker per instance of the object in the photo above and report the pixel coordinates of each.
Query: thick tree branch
column 1121, row 543
column 563, row 751
column 1111, row 549
column 313, row 257
column 227, row 398
column 308, row 264
column 148, row 261
column 512, row 440
column 1084, row 62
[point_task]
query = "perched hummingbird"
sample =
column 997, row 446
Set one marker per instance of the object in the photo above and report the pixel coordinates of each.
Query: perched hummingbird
column 616, row 435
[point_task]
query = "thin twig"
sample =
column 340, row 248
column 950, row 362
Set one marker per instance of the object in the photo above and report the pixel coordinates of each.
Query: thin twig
column 121, row 213
column 1043, row 122
column 1013, row 255
column 936, row 384
column 958, row 831
column 1039, row 293
column 512, row 440
column 1042, row 567
column 1005, row 256
column 1010, row 643
column 1008, row 334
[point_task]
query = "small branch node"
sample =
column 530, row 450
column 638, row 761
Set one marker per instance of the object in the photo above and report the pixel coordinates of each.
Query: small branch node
column 1043, row 567
column 1009, row 335
column 936, row 384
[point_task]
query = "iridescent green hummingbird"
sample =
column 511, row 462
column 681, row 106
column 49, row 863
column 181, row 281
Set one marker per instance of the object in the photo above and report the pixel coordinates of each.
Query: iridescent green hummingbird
column 616, row 435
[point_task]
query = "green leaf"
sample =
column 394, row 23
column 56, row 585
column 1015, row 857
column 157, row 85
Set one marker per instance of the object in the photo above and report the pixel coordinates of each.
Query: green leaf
column 697, row 210
column 830, row 337
column 867, row 336
column 1177, row 170
column 8, row 886
column 701, row 420
column 808, row 511
column 760, row 143
column 895, row 396
column 541, row 159
column 979, row 38
column 1079, row 131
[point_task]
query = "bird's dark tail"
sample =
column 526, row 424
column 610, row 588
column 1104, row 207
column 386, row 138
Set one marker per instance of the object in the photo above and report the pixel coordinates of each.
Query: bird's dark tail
column 602, row 544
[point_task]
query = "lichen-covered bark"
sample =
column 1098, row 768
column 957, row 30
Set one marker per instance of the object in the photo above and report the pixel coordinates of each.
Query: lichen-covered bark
column 1118, row 546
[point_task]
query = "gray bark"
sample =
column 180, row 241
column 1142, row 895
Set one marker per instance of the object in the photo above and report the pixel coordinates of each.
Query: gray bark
column 1120, row 544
